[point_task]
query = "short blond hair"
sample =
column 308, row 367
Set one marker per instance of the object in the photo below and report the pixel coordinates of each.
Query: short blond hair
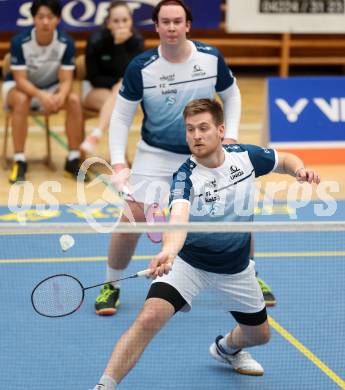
column 200, row 106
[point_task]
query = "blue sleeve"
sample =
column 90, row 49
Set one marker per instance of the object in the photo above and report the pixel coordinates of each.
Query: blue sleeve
column 181, row 185
column 224, row 75
column 17, row 55
column 263, row 160
column 132, row 84
column 68, row 57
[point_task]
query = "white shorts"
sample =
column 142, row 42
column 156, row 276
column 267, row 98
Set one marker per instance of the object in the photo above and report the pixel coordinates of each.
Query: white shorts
column 86, row 87
column 151, row 161
column 152, row 172
column 35, row 103
column 239, row 292
column 150, row 189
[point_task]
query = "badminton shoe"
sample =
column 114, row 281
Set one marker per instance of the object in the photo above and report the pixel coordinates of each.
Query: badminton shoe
column 241, row 362
column 18, row 171
column 108, row 300
column 72, row 168
column 269, row 298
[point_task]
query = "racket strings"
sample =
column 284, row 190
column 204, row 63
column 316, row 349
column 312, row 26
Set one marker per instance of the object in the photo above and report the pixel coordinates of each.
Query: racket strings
column 58, row 296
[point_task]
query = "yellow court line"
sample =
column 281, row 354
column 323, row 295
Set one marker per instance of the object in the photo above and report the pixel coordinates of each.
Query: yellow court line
column 66, row 259
column 306, row 352
column 148, row 257
column 300, row 254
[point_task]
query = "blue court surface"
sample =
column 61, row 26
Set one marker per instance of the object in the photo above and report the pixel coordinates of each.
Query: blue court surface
column 307, row 350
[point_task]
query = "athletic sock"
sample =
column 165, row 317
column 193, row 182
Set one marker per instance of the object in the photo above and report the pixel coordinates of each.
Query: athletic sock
column 223, row 344
column 108, row 382
column 73, row 154
column 113, row 274
column 19, row 157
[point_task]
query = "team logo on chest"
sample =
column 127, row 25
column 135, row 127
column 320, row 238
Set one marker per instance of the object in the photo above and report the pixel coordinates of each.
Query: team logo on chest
column 235, row 172
column 198, row 71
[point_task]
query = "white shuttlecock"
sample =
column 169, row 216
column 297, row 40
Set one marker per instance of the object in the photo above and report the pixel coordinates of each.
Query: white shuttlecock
column 66, row 242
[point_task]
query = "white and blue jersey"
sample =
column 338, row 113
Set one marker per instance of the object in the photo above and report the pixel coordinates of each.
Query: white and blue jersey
column 42, row 63
column 225, row 193
column 165, row 88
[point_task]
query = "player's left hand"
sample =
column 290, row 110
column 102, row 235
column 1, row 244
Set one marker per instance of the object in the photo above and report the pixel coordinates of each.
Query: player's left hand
column 307, row 175
column 161, row 264
column 59, row 100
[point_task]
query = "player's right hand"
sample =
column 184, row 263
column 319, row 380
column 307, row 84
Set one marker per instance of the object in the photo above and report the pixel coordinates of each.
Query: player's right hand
column 48, row 102
column 161, row 264
column 120, row 176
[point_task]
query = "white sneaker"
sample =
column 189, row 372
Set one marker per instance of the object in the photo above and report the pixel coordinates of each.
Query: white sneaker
column 99, row 387
column 242, row 362
column 106, row 383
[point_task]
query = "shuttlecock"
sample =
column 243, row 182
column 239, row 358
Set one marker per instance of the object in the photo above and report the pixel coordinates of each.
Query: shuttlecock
column 66, row 242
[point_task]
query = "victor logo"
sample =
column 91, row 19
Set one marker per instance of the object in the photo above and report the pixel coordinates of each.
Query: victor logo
column 333, row 109
column 292, row 112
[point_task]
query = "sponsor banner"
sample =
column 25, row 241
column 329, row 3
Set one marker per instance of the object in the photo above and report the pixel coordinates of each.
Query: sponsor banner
column 83, row 15
column 279, row 16
column 307, row 113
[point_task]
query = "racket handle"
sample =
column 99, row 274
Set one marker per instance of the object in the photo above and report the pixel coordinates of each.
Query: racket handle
column 144, row 272
column 147, row 271
column 126, row 191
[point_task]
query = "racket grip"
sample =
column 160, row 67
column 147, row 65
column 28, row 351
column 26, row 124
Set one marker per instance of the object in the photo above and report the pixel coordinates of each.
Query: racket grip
column 144, row 272
column 126, row 190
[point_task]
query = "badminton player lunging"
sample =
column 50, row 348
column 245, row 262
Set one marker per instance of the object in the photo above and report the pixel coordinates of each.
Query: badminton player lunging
column 205, row 188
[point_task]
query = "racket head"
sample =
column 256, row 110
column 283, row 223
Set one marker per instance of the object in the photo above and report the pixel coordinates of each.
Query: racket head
column 57, row 296
column 155, row 214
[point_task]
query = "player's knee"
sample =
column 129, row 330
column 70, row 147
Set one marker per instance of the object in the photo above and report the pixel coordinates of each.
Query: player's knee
column 151, row 319
column 73, row 101
column 20, row 102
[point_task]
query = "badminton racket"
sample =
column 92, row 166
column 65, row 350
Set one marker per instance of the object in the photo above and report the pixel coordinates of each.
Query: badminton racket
column 62, row 294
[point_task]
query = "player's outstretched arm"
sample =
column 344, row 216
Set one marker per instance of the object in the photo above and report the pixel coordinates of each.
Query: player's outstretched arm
column 294, row 166
column 172, row 241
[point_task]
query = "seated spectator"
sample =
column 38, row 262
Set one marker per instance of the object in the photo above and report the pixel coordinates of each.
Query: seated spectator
column 108, row 53
column 42, row 64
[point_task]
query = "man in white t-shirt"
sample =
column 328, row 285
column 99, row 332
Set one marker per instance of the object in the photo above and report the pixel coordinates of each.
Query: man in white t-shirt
column 211, row 185
column 42, row 65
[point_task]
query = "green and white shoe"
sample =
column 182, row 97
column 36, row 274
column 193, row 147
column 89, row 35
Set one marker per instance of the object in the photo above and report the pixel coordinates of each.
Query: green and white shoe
column 269, row 297
column 108, row 300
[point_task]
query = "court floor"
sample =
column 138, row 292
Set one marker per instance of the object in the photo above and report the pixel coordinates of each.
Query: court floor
column 305, row 270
